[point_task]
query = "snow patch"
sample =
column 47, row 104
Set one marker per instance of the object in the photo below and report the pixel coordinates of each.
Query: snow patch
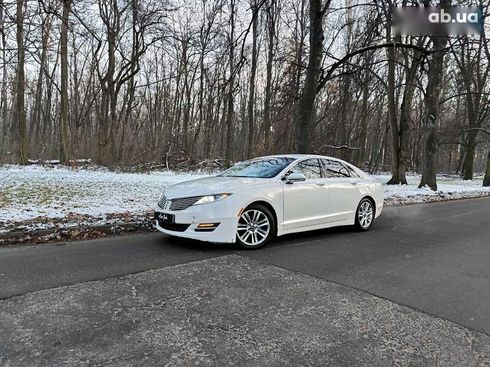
column 449, row 187
column 38, row 194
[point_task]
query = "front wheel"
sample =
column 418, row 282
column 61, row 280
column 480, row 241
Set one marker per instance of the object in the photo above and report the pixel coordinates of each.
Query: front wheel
column 256, row 227
column 364, row 215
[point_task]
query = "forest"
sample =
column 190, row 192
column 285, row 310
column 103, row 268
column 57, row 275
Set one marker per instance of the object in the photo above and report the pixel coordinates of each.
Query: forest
column 187, row 84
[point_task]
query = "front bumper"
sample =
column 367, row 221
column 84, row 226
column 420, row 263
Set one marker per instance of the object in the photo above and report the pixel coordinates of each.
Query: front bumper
column 186, row 222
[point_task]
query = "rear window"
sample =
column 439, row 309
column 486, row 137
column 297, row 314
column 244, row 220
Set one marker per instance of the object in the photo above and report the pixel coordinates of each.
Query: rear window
column 335, row 169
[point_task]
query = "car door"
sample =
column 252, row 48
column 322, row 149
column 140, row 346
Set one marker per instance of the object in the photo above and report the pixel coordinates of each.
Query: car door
column 305, row 202
column 341, row 183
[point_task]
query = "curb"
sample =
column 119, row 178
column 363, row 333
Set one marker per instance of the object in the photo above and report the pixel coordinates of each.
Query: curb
column 73, row 233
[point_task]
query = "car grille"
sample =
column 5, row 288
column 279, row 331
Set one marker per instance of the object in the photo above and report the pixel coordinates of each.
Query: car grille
column 183, row 203
column 179, row 203
column 162, row 203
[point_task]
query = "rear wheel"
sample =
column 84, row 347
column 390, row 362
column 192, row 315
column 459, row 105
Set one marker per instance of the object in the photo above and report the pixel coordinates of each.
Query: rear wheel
column 256, row 227
column 364, row 215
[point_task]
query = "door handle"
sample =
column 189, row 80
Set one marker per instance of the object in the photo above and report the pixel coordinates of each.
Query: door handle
column 320, row 184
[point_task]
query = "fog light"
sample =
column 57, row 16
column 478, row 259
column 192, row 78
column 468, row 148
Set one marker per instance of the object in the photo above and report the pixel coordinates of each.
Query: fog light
column 207, row 225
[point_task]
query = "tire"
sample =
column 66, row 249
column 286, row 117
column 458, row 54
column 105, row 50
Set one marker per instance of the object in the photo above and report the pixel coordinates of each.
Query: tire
column 364, row 215
column 256, row 227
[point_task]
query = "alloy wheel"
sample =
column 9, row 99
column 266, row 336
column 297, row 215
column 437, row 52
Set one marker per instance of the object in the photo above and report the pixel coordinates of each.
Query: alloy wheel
column 253, row 227
column 365, row 214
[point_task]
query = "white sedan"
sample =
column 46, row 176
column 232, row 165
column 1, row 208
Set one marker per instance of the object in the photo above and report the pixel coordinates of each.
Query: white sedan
column 256, row 200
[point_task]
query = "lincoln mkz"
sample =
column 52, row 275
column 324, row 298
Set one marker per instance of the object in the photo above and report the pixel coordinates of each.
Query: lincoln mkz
column 259, row 199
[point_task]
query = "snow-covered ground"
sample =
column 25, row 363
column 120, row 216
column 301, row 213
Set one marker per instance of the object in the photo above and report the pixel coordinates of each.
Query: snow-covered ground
column 449, row 187
column 37, row 197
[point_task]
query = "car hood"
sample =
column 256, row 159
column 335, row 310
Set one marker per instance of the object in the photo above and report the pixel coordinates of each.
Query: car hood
column 209, row 186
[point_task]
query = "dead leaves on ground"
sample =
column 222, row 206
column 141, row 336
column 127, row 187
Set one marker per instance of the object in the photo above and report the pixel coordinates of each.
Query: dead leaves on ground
column 73, row 227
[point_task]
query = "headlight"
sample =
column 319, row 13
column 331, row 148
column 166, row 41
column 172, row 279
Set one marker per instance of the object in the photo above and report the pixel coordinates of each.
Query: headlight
column 211, row 198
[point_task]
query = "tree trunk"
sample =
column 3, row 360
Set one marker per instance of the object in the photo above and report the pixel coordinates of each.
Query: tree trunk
column 3, row 92
column 268, row 84
column 342, row 136
column 305, row 123
column 469, row 158
column 403, row 127
column 187, row 95
column 363, row 153
column 474, row 92
column 299, row 33
column 108, row 119
column 64, row 119
column 473, row 108
column 20, row 88
column 36, row 115
column 430, row 151
column 129, row 98
column 486, row 180
column 435, row 76
column 253, row 69
column 231, row 89
column 406, row 110
column 397, row 176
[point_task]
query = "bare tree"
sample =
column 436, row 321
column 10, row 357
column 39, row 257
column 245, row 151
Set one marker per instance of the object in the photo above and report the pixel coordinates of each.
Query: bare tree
column 253, row 71
column 3, row 89
column 64, row 119
column 435, row 75
column 305, row 120
column 486, row 179
column 20, row 112
column 231, row 86
column 470, row 61
column 272, row 13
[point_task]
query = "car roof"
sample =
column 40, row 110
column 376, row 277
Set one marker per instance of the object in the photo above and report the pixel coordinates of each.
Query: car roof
column 303, row 156
column 298, row 156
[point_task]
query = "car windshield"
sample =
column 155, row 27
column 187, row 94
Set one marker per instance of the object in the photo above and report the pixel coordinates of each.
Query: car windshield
column 259, row 168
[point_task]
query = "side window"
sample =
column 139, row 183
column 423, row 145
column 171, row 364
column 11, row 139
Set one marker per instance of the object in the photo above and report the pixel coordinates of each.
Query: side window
column 311, row 168
column 335, row 169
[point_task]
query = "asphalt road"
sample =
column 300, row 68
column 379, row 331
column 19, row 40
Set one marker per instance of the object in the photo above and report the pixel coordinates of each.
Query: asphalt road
column 434, row 258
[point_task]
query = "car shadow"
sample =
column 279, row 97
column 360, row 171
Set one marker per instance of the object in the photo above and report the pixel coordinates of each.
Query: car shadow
column 286, row 240
column 311, row 236
column 195, row 245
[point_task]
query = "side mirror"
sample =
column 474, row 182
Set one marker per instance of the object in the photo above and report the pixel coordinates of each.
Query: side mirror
column 295, row 177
